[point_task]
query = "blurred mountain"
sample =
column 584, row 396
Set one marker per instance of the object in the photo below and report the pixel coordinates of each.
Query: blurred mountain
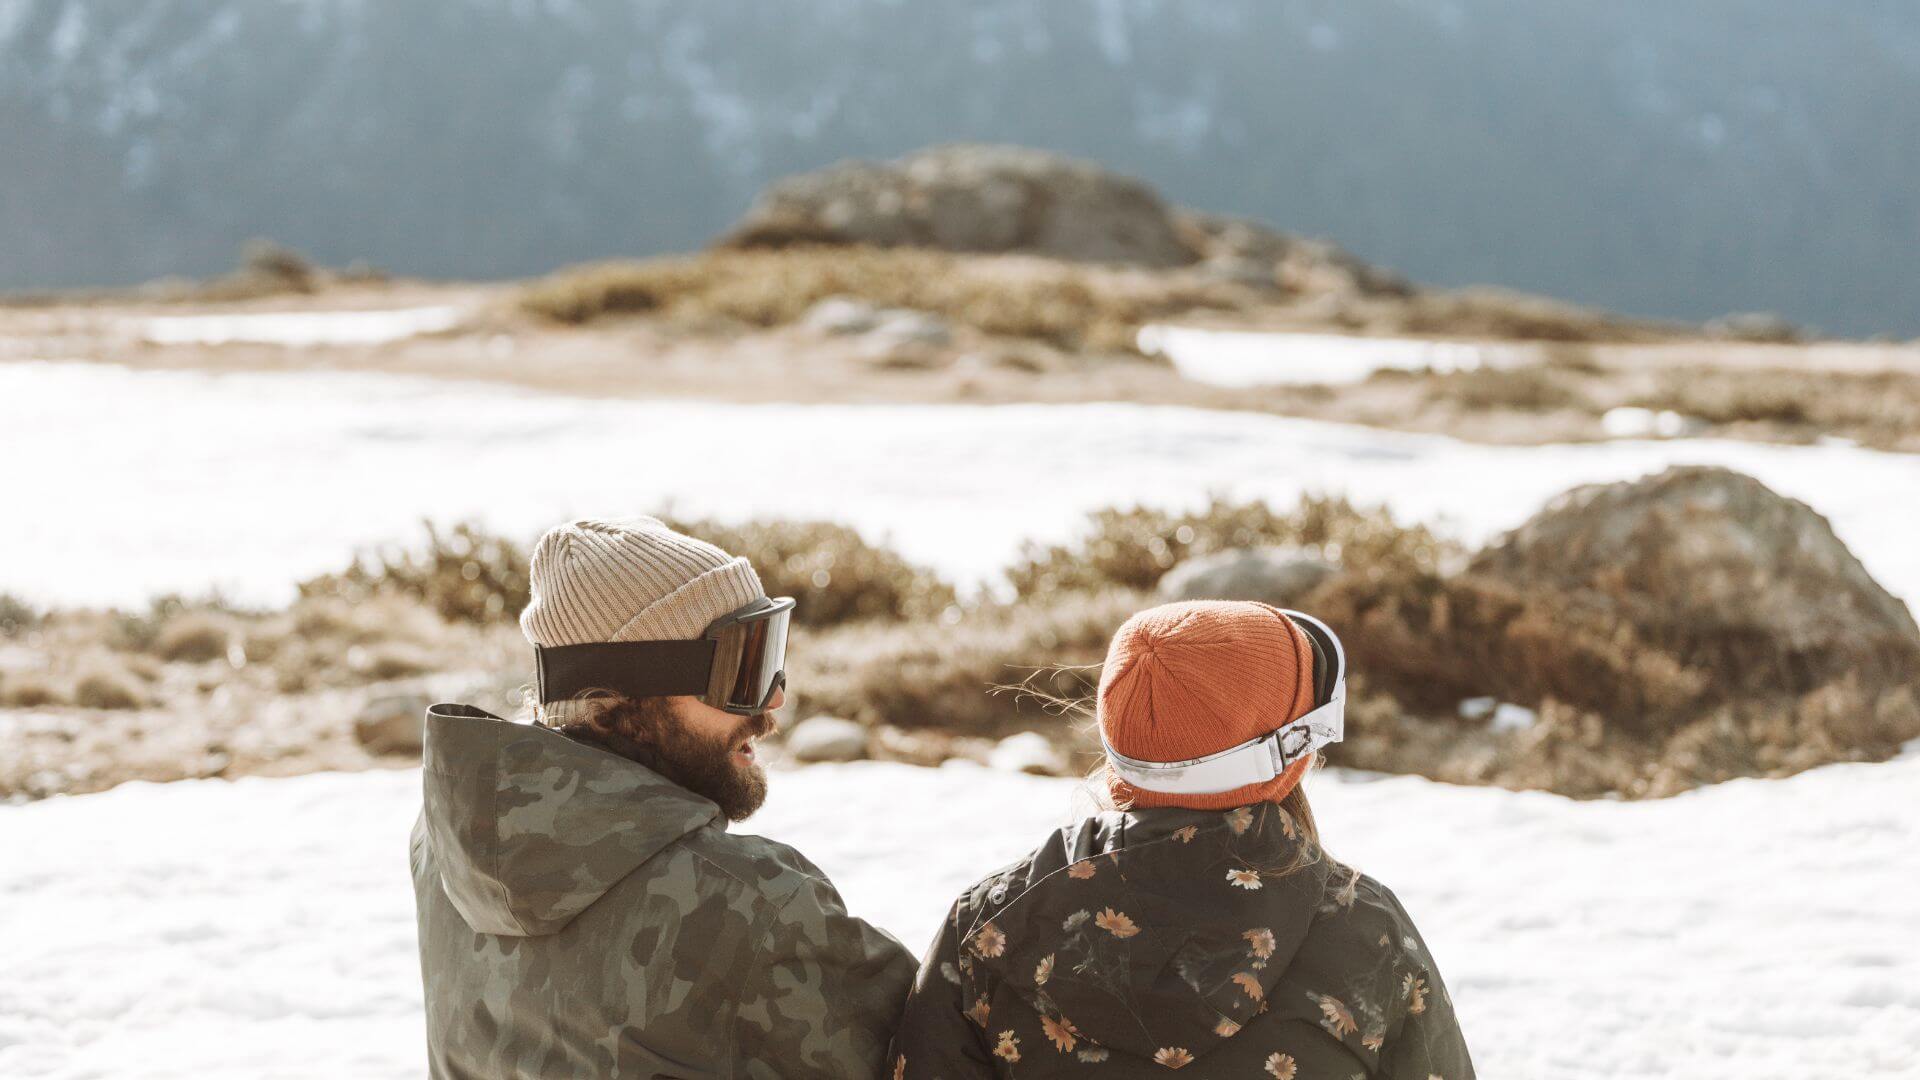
column 1658, row 158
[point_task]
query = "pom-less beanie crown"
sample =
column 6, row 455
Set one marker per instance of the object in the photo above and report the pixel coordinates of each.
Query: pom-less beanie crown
column 630, row 579
column 1190, row 679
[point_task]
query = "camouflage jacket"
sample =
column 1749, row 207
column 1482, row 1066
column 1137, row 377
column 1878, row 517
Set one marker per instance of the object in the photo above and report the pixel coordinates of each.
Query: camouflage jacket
column 581, row 916
column 1133, row 943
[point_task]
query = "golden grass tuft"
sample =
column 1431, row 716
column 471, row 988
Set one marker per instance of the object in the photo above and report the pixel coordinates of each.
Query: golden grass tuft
column 949, row 674
column 1068, row 305
column 107, row 687
column 1526, row 388
column 835, row 573
column 194, row 637
column 1879, row 409
column 30, row 690
column 1132, row 548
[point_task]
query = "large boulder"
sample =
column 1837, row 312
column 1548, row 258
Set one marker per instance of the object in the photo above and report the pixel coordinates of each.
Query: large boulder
column 1277, row 576
column 1722, row 572
column 973, row 198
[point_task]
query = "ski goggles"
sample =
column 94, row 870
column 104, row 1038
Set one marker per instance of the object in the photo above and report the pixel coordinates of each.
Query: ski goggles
column 1257, row 761
column 738, row 665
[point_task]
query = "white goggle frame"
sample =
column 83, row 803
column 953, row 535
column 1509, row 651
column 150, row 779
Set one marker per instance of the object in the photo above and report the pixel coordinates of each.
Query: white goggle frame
column 1255, row 761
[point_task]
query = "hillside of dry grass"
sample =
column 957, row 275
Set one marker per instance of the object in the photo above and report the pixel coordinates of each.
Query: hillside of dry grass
column 1069, row 305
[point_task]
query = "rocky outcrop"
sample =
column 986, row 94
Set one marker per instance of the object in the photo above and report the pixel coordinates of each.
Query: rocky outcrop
column 972, row 198
column 1015, row 200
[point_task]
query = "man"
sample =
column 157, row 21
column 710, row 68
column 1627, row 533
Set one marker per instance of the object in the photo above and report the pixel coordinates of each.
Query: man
column 582, row 909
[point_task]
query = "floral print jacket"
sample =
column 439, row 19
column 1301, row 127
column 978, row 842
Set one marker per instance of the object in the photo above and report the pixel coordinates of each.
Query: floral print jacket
column 1133, row 943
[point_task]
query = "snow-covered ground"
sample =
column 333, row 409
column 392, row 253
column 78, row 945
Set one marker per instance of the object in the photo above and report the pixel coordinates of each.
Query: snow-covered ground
column 143, row 482
column 300, row 328
column 264, row 928
column 1242, row 358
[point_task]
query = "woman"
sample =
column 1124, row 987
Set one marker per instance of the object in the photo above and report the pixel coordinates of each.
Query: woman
column 1201, row 923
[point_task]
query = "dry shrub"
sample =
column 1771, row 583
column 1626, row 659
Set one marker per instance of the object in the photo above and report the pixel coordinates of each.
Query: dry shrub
column 1383, row 735
column 109, row 688
column 146, row 667
column 944, row 674
column 1574, row 752
column 335, row 623
column 267, row 261
column 1571, row 357
column 16, row 615
column 1067, row 305
column 266, row 269
column 194, row 637
column 465, row 573
column 1623, row 708
column 1528, row 388
column 1132, row 548
column 1880, row 409
column 323, row 616
column 1500, row 313
column 469, row 575
column 834, row 573
column 30, row 690
column 390, row 660
column 1845, row 720
column 1730, row 398
column 1430, row 641
column 330, row 641
column 141, row 631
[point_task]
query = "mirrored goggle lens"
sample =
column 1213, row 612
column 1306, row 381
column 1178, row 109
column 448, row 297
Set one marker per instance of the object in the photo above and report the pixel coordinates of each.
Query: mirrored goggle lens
column 761, row 645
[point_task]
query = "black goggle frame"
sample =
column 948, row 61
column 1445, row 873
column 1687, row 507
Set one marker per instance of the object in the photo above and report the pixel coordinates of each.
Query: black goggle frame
column 742, row 656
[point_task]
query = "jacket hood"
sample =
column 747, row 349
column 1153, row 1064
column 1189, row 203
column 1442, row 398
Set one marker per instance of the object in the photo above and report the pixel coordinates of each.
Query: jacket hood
column 529, row 827
column 1153, row 929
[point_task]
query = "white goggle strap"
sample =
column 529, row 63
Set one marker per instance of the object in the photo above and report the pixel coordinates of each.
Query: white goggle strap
column 1255, row 761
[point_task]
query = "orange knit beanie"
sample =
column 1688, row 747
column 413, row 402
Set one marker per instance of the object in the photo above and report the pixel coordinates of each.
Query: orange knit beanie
column 1190, row 679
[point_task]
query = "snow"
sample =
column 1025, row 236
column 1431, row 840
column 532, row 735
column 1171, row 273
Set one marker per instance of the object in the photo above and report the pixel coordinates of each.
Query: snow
column 1510, row 717
column 264, row 928
column 253, row 481
column 300, row 328
column 1240, row 358
column 1634, row 422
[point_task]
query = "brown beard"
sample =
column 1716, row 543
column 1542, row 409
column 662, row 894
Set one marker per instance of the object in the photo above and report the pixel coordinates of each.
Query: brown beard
column 707, row 768
column 646, row 731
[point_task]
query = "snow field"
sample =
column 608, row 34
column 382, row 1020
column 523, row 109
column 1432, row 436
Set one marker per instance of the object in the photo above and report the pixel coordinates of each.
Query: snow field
column 300, row 329
column 252, row 482
column 1242, row 358
column 264, row 928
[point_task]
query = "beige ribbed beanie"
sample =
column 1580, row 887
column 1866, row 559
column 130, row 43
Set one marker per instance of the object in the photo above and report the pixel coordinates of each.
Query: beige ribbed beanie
column 630, row 579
